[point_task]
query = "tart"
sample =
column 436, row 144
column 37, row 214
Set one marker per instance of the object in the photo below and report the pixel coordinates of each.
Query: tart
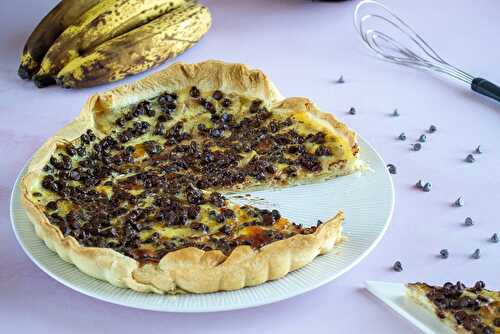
column 132, row 191
column 464, row 310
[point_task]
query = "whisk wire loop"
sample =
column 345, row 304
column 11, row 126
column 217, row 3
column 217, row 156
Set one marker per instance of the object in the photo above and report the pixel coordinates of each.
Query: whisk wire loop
column 390, row 49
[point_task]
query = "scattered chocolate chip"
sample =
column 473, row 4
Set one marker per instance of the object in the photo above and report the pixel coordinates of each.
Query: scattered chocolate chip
column 477, row 254
column 478, row 150
column 494, row 238
column 432, row 129
column 417, row 146
column 468, row 221
column 419, row 184
column 340, row 80
column 352, row 111
column 459, row 202
column 392, row 169
column 397, row 266
column 402, row 136
column 226, row 103
column 395, row 113
column 444, row 253
column 422, row 138
column 427, row 187
column 470, row 158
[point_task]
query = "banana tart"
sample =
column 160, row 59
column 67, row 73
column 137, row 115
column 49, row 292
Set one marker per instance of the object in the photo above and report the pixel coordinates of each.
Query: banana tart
column 464, row 310
column 131, row 191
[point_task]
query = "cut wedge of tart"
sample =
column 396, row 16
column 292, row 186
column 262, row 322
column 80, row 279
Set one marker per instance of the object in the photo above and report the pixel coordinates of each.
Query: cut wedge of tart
column 131, row 191
column 464, row 310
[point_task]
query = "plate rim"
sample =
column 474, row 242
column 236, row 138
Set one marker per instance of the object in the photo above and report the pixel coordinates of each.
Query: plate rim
column 221, row 308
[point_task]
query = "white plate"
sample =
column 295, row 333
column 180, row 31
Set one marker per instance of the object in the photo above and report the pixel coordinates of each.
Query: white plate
column 393, row 294
column 367, row 199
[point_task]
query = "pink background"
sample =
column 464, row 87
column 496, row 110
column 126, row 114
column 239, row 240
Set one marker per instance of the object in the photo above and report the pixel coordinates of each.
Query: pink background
column 303, row 46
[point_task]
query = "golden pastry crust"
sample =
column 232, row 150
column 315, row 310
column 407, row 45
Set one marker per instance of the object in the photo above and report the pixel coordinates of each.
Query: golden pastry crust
column 189, row 269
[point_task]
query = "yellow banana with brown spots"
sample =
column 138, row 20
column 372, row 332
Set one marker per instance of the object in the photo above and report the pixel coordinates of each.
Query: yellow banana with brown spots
column 46, row 32
column 104, row 21
column 139, row 49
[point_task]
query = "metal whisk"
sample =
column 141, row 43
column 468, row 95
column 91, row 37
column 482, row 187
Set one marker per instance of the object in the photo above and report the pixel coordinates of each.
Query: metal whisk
column 390, row 49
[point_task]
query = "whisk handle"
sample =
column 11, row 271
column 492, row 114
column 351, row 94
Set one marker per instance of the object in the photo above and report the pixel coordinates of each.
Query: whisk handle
column 486, row 88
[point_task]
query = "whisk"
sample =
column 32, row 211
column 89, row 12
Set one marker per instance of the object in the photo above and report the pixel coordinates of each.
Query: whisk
column 392, row 50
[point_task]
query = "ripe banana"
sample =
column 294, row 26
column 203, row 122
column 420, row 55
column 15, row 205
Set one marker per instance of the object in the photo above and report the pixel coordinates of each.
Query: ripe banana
column 107, row 19
column 51, row 26
column 139, row 49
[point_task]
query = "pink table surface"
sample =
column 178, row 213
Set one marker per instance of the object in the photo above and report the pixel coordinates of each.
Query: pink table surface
column 303, row 46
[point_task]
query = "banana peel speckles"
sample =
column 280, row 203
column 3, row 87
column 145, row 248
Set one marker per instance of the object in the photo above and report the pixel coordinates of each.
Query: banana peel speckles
column 104, row 21
column 139, row 49
column 46, row 32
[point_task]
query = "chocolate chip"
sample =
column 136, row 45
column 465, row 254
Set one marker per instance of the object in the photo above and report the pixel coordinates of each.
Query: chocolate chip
column 402, row 136
column 217, row 95
column 226, row 103
column 216, row 199
column 85, row 139
column 209, row 106
column 459, row 202
column 397, row 266
column 419, row 184
column 216, row 133
column 444, row 253
column 470, row 158
column 494, row 238
column 427, row 187
column 193, row 211
column 254, row 106
column 194, row 92
column 422, row 138
column 496, row 322
column 477, row 254
column 478, row 150
column 395, row 113
column 199, row 227
column 352, row 111
column 432, row 129
column 417, row 147
column 322, row 151
column 70, row 150
column 391, row 168
column 194, row 195
column 120, row 122
column 479, row 285
column 468, row 221
column 52, row 205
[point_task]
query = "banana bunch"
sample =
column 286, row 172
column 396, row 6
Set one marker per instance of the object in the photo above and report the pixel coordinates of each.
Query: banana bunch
column 83, row 43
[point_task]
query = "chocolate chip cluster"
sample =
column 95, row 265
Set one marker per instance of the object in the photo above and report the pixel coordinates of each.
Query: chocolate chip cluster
column 111, row 191
column 464, row 304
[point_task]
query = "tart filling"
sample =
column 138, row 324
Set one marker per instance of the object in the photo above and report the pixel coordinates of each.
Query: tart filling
column 465, row 310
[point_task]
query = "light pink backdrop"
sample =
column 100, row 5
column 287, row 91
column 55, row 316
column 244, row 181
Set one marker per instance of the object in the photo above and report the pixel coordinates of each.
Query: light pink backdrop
column 303, row 46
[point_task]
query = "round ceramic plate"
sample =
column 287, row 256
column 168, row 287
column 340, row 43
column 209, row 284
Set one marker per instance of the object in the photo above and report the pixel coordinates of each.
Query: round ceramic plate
column 367, row 199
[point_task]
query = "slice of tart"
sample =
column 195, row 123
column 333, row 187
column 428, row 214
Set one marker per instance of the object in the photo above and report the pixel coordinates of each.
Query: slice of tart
column 464, row 310
column 132, row 191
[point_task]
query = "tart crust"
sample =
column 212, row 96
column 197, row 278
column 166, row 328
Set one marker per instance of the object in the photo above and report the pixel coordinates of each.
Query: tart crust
column 189, row 269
